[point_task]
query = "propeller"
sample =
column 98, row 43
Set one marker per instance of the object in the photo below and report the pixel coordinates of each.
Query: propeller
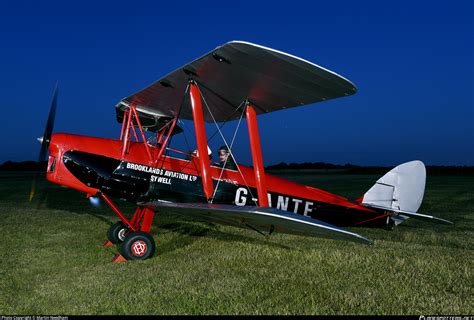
column 45, row 139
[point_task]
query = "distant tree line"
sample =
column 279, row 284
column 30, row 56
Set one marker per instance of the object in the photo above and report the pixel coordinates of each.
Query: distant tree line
column 23, row 166
column 320, row 167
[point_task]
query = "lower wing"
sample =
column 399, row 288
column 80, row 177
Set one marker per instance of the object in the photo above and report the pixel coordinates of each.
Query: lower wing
column 258, row 218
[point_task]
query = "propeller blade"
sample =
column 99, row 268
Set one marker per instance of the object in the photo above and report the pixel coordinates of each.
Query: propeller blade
column 48, row 131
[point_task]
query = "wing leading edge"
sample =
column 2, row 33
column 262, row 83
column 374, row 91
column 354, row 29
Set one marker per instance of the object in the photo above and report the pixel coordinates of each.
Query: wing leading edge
column 260, row 218
column 236, row 71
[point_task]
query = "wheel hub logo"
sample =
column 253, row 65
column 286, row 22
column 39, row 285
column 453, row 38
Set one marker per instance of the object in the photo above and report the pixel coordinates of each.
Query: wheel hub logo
column 139, row 248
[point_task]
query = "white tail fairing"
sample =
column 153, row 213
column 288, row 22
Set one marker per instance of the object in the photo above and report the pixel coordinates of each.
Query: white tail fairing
column 401, row 191
column 402, row 188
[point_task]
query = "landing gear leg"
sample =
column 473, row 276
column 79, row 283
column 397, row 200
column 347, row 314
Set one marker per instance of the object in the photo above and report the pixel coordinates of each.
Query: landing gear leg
column 134, row 235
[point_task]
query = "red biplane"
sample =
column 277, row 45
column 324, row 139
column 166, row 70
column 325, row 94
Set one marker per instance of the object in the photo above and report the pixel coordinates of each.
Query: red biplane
column 232, row 81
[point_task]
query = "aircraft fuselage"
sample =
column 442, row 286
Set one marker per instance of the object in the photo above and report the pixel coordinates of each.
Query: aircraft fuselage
column 93, row 165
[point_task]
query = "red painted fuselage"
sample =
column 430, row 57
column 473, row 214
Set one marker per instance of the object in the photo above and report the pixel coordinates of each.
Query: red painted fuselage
column 174, row 179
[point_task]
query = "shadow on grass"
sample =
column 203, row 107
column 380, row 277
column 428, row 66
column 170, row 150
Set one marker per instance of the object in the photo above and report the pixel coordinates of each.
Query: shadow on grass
column 190, row 231
column 68, row 200
column 441, row 236
column 59, row 198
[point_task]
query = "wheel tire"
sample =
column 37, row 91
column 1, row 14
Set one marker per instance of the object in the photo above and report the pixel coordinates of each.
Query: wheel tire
column 117, row 232
column 138, row 246
column 390, row 225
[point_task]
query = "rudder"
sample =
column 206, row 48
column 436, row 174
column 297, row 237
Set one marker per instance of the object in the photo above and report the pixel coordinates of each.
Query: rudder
column 402, row 188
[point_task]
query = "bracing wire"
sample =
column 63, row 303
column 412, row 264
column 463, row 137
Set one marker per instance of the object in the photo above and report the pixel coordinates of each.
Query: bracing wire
column 223, row 167
column 225, row 141
column 225, row 121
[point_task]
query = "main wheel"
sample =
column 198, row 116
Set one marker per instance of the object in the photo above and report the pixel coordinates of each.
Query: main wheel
column 138, row 246
column 117, row 232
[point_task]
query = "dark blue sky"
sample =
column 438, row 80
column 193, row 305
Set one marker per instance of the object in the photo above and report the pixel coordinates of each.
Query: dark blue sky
column 412, row 62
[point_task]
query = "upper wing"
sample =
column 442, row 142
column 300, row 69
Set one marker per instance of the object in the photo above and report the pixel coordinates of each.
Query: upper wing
column 260, row 218
column 272, row 80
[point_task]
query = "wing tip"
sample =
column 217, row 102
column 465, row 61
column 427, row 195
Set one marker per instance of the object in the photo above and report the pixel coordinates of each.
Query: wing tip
column 352, row 88
column 444, row 221
column 364, row 240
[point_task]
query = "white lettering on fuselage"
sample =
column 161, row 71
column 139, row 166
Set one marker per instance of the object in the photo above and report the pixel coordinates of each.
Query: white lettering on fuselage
column 160, row 179
column 297, row 202
column 241, row 196
column 140, row 167
column 179, row 175
column 282, row 202
column 166, row 175
column 307, row 208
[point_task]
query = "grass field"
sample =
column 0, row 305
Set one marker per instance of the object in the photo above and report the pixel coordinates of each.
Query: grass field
column 52, row 261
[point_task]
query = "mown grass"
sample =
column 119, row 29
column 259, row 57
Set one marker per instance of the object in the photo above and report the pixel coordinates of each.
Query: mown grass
column 52, row 261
